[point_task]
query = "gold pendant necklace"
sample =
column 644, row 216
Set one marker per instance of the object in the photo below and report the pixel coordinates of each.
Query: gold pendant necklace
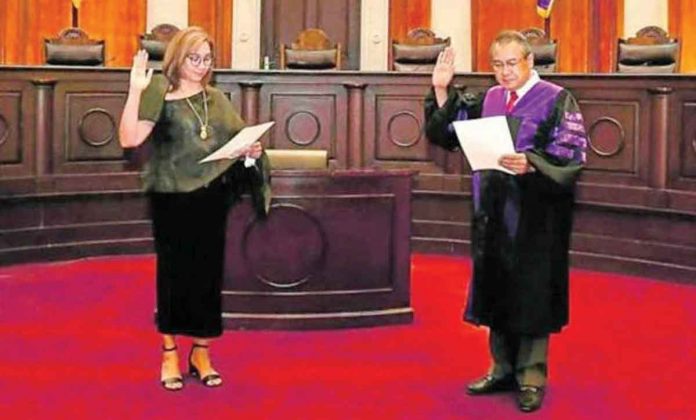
column 204, row 124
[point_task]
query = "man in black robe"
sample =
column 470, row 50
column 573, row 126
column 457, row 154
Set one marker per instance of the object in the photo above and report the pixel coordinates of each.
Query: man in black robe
column 521, row 223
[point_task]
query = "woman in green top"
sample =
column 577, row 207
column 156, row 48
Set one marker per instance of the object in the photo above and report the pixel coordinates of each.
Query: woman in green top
column 185, row 120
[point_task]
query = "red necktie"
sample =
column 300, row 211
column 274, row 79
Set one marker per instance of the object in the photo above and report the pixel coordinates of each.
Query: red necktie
column 511, row 101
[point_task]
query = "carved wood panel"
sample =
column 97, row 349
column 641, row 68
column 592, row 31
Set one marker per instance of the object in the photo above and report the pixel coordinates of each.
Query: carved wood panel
column 650, row 182
column 283, row 20
column 688, row 141
column 10, row 128
column 400, row 129
column 17, row 103
column 394, row 132
column 307, row 117
column 612, row 136
column 85, row 135
column 615, row 126
column 93, row 127
column 302, row 245
column 333, row 251
column 682, row 147
column 234, row 93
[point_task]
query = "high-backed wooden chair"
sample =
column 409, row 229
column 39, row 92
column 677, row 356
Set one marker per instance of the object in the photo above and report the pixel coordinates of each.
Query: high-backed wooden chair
column 74, row 47
column 155, row 42
column 418, row 51
column 312, row 50
column 545, row 50
column 650, row 51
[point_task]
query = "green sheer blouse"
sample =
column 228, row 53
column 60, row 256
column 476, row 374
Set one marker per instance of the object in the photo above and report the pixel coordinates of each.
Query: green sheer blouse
column 176, row 143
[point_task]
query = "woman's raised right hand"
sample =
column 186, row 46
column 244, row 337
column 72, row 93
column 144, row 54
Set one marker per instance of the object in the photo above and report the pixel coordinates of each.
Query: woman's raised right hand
column 140, row 75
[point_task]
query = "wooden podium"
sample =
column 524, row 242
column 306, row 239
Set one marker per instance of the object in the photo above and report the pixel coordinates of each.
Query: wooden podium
column 334, row 252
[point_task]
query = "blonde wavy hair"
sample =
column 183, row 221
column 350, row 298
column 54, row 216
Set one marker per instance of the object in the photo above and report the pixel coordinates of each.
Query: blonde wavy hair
column 181, row 45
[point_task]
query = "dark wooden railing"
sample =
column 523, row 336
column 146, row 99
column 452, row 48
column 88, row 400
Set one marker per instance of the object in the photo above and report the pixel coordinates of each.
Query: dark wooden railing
column 67, row 189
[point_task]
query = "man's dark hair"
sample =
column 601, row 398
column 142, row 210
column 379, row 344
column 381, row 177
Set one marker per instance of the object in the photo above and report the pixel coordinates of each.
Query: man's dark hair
column 508, row 36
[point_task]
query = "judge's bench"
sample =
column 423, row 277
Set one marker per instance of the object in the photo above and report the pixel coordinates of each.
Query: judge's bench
column 335, row 250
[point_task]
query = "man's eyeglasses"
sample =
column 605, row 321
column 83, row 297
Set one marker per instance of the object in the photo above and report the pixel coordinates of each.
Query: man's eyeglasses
column 197, row 60
column 500, row 65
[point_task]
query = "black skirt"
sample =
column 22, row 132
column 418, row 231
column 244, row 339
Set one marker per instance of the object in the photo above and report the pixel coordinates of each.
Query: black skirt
column 189, row 231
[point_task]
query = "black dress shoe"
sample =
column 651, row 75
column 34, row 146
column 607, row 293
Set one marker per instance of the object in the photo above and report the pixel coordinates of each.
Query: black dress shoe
column 489, row 384
column 530, row 398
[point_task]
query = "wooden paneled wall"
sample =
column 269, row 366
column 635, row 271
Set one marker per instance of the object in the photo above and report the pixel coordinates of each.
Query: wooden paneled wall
column 215, row 16
column 570, row 25
column 405, row 15
column 25, row 23
column 68, row 190
column 586, row 30
column 283, row 20
column 682, row 17
column 607, row 28
column 119, row 24
column 490, row 17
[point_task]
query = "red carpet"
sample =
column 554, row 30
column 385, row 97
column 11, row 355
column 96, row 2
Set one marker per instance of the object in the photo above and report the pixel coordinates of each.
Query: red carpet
column 77, row 342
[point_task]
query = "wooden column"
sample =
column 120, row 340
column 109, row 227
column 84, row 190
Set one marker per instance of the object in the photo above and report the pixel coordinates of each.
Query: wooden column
column 659, row 143
column 44, row 120
column 356, row 93
column 250, row 102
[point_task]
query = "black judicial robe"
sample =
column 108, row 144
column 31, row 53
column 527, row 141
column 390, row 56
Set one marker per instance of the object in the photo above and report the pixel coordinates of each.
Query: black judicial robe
column 521, row 224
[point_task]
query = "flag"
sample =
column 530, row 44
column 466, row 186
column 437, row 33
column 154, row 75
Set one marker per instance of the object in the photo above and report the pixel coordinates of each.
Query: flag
column 544, row 8
column 76, row 3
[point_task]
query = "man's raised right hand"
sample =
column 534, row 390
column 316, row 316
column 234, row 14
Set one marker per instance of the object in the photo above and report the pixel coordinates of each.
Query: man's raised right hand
column 444, row 69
